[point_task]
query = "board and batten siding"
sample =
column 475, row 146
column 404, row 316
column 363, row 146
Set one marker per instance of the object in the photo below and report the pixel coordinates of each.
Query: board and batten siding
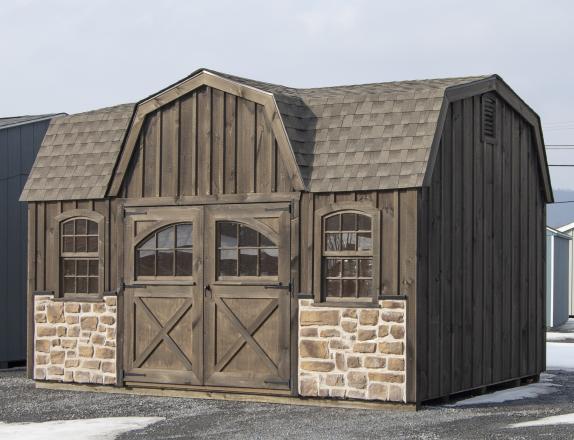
column 480, row 316
column 18, row 148
column 208, row 142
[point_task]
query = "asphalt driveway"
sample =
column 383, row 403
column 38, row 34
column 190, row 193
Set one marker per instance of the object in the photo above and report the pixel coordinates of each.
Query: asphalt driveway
column 20, row 401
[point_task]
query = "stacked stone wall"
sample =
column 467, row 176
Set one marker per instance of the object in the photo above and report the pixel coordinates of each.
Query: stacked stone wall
column 75, row 341
column 353, row 353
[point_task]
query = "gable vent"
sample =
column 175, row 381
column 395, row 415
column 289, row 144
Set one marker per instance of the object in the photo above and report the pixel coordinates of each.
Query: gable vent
column 489, row 106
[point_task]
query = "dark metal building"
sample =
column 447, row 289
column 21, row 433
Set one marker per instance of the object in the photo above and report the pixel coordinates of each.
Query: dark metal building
column 20, row 140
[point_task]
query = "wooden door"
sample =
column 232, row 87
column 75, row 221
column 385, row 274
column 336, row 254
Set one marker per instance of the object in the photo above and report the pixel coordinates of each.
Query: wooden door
column 247, row 296
column 163, row 296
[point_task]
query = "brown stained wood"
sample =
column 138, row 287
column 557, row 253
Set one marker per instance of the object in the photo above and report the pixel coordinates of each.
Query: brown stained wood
column 307, row 228
column 169, row 149
column 466, row 178
column 218, row 142
column 516, row 251
column 134, row 187
column 388, row 203
column 188, row 150
column 478, row 256
column 52, row 247
column 457, row 244
column 524, row 215
column 507, row 227
column 245, row 146
column 497, row 280
column 102, row 208
column 283, row 181
column 151, row 143
column 230, row 154
column 446, row 260
column 204, row 153
column 263, row 153
column 409, row 202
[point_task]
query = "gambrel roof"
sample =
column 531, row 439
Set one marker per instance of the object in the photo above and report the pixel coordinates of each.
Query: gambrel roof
column 345, row 138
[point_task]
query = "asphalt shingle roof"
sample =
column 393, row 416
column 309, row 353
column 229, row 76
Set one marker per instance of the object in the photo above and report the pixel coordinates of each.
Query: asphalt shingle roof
column 13, row 121
column 345, row 138
column 78, row 155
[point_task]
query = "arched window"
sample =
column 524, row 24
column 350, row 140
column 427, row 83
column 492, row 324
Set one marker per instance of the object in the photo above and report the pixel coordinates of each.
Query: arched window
column 347, row 255
column 80, row 256
column 244, row 252
column 168, row 252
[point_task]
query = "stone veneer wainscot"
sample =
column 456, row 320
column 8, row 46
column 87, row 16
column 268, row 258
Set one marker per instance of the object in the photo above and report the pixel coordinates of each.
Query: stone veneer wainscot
column 353, row 353
column 75, row 341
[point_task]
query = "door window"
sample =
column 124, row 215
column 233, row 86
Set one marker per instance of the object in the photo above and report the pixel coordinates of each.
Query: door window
column 167, row 253
column 244, row 252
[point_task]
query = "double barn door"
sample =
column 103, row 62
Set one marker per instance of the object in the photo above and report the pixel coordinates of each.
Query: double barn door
column 207, row 296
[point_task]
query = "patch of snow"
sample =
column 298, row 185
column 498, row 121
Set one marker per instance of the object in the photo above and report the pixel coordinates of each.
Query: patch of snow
column 564, row 419
column 85, row 429
column 559, row 356
column 545, row 386
column 557, row 336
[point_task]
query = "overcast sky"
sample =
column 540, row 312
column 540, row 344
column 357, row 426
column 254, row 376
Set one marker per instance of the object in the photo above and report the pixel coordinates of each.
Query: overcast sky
column 71, row 55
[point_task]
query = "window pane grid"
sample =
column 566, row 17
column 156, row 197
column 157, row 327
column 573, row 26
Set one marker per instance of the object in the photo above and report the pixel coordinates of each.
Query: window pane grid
column 80, row 275
column 168, row 253
column 347, row 255
column 244, row 252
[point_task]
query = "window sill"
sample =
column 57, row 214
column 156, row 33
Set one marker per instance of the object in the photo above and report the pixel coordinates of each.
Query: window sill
column 95, row 298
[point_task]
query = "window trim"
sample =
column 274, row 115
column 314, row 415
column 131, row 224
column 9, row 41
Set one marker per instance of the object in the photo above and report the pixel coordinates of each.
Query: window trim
column 100, row 220
column 366, row 208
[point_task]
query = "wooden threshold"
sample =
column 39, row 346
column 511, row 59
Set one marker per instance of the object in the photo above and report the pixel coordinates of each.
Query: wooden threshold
column 256, row 398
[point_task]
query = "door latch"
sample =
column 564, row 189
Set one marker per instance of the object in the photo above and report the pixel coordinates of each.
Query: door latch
column 207, row 291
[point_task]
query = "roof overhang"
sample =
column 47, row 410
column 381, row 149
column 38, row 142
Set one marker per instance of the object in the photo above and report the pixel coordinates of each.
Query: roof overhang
column 493, row 84
column 203, row 77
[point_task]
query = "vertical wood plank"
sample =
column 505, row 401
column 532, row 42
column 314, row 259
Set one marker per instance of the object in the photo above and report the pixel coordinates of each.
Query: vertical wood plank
column 488, row 264
column 389, row 206
column 523, row 191
column 307, row 228
column 507, row 243
column 497, row 254
column 245, row 146
column 52, row 248
column 218, row 133
column 204, row 141
column 230, row 144
column 434, row 353
column 263, row 154
column 408, row 279
column 456, row 245
column 283, row 180
column 446, row 260
column 169, row 149
column 135, row 180
column 41, row 246
column 151, row 142
column 466, row 243
column 516, row 251
column 188, row 150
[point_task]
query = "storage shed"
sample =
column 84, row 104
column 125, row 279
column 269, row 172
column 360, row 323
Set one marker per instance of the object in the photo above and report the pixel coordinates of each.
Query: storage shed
column 557, row 277
column 378, row 242
column 20, row 139
column 569, row 231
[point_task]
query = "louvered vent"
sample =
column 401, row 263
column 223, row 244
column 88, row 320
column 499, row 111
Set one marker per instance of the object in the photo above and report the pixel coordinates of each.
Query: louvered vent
column 489, row 118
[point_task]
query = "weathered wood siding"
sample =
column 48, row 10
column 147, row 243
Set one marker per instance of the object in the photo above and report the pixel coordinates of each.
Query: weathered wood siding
column 18, row 148
column 480, row 315
column 43, row 252
column 398, row 236
column 206, row 143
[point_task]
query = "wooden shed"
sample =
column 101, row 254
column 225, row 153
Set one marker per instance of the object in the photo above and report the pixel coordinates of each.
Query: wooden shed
column 376, row 242
column 20, row 139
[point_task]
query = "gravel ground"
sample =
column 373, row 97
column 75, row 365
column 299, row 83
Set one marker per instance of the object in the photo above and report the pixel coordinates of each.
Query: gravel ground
column 20, row 401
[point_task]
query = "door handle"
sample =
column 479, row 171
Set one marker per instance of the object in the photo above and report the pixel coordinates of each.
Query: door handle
column 207, row 291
